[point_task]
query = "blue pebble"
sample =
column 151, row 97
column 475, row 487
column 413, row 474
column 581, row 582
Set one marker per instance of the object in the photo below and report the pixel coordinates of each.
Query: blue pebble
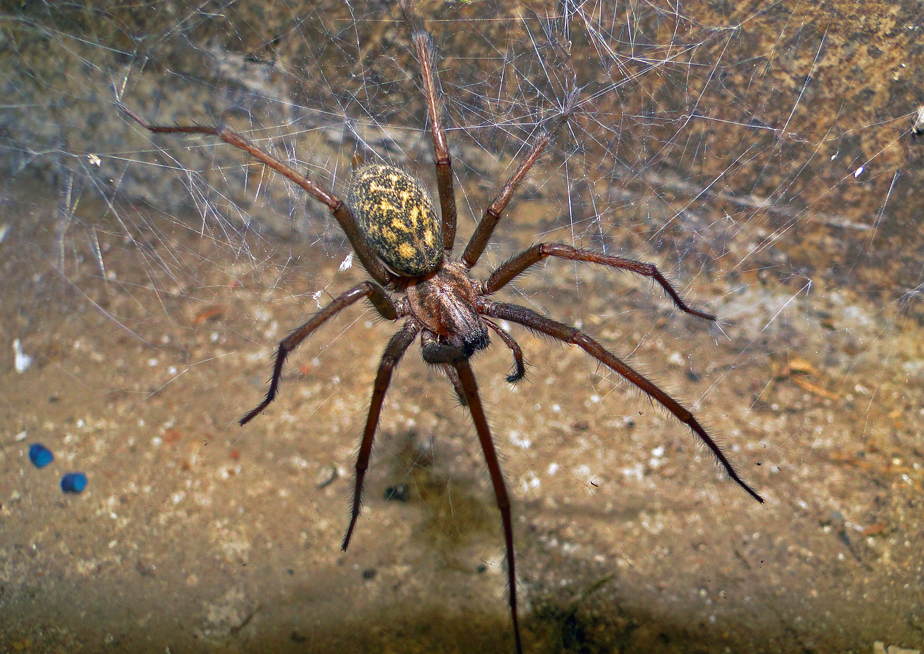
column 39, row 455
column 73, row 482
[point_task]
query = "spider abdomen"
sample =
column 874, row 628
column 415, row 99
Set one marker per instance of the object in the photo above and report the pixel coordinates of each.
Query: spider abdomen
column 396, row 214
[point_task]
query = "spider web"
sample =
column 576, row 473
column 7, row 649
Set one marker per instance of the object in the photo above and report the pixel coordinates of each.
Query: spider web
column 762, row 155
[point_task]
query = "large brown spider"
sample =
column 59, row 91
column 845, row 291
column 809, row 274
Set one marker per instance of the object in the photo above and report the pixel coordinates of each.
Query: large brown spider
column 390, row 222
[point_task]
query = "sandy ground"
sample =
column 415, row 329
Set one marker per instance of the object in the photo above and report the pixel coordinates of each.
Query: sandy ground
column 197, row 535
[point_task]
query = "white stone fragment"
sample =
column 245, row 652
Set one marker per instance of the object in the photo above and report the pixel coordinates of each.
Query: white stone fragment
column 23, row 360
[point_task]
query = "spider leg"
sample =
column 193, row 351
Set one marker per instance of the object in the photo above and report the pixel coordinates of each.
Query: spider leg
column 519, row 368
column 340, row 211
column 492, row 214
column 396, row 348
column 507, row 271
column 437, row 353
column 371, row 290
column 426, row 56
column 562, row 332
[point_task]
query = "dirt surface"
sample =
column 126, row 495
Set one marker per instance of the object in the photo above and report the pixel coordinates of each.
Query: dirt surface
column 195, row 534
column 150, row 334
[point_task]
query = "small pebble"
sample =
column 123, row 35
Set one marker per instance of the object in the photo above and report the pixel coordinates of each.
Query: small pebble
column 398, row 493
column 73, row 482
column 879, row 647
column 39, row 455
column 23, row 360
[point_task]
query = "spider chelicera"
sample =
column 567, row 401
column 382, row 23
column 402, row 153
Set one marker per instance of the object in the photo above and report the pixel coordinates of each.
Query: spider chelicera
column 390, row 222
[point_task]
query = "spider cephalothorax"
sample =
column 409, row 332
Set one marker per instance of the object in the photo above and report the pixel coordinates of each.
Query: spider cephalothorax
column 445, row 303
column 392, row 227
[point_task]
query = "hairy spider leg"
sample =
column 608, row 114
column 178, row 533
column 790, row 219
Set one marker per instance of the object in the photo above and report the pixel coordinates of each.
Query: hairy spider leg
column 340, row 211
column 508, row 270
column 376, row 294
column 395, row 349
column 437, row 353
column 426, row 56
column 532, row 320
column 495, row 210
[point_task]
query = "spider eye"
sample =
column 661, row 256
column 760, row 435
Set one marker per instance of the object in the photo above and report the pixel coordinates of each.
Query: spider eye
column 396, row 214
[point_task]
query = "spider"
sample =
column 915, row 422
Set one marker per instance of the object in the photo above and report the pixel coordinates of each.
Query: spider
column 392, row 226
